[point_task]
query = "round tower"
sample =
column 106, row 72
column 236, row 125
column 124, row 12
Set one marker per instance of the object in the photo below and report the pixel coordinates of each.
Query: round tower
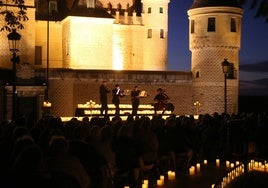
column 155, row 38
column 215, row 35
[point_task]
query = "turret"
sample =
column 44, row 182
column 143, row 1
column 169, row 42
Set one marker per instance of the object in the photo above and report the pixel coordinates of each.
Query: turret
column 215, row 35
column 155, row 20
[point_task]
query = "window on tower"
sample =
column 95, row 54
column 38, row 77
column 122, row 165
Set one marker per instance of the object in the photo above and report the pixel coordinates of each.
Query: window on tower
column 233, row 25
column 149, row 10
column 53, row 7
column 150, row 33
column 211, row 24
column 192, row 26
column 161, row 10
column 162, row 33
column 197, row 74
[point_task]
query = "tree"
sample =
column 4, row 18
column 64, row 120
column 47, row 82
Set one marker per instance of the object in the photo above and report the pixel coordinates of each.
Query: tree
column 13, row 19
column 261, row 6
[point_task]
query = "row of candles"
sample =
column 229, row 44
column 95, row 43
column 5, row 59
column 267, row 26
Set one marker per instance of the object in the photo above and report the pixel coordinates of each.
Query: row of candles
column 160, row 182
column 93, row 104
column 238, row 169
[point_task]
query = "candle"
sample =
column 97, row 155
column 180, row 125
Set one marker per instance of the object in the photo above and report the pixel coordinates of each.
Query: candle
column 160, row 182
column 227, row 164
column 192, row 170
column 171, row 175
column 198, row 167
column 146, row 182
column 217, row 162
column 144, row 186
column 205, row 162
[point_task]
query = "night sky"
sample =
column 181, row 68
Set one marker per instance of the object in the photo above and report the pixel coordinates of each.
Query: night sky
column 254, row 45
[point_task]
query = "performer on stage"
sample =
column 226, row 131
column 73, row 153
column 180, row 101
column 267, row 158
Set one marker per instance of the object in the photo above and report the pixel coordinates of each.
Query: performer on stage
column 117, row 93
column 135, row 100
column 161, row 99
column 103, row 98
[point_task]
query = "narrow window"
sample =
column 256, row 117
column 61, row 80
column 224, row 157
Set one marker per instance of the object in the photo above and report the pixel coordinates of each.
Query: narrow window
column 53, row 7
column 149, row 10
column 192, row 26
column 119, row 6
column 197, row 74
column 161, row 10
column 109, row 6
column 162, row 34
column 233, row 25
column 149, row 33
column 38, row 55
column 211, row 24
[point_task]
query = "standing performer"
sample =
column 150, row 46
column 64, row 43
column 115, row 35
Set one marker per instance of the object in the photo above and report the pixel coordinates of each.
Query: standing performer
column 103, row 98
column 135, row 100
column 116, row 92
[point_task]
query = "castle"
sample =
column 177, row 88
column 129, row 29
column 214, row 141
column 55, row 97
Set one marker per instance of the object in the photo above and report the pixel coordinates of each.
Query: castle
column 73, row 45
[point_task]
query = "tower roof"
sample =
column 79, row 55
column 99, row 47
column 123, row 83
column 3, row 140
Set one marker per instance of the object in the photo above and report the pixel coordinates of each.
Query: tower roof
column 212, row 3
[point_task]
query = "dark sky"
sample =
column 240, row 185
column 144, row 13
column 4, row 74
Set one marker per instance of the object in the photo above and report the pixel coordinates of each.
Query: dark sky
column 254, row 44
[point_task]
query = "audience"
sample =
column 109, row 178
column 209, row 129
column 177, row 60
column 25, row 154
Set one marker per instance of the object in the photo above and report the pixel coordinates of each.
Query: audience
column 93, row 154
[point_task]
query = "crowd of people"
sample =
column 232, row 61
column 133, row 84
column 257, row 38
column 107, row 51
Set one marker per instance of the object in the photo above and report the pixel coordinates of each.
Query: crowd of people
column 99, row 152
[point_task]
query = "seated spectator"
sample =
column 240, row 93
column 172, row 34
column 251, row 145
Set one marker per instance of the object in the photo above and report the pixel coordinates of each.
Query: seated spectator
column 60, row 161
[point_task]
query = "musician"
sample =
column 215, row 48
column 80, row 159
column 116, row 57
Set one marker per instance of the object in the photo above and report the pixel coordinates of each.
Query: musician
column 116, row 94
column 135, row 100
column 103, row 90
column 161, row 99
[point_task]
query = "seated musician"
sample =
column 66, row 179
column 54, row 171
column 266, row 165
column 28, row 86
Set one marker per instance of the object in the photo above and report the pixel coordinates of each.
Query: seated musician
column 161, row 99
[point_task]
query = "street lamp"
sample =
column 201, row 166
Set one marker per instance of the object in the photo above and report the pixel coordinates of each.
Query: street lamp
column 225, row 69
column 13, row 40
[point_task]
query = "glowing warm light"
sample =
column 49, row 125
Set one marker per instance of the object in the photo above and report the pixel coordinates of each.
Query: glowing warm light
column 217, row 162
column 47, row 104
column 117, row 53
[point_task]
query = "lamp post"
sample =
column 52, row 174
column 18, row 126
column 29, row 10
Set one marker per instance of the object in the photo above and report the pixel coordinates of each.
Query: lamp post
column 225, row 69
column 13, row 39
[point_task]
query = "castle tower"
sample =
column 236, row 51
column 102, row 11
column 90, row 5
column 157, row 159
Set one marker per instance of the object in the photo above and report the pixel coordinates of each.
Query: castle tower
column 214, row 35
column 155, row 20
